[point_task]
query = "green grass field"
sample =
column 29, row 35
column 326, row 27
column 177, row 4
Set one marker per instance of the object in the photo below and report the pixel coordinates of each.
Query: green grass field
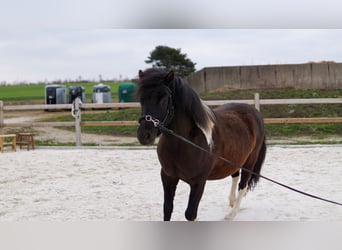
column 35, row 93
column 22, row 93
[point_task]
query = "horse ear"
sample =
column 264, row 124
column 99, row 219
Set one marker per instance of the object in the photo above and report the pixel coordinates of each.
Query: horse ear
column 141, row 74
column 170, row 76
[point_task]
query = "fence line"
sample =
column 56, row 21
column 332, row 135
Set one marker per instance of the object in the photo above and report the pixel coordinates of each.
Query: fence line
column 78, row 106
column 137, row 105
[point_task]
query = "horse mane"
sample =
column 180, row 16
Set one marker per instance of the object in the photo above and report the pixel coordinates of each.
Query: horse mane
column 189, row 102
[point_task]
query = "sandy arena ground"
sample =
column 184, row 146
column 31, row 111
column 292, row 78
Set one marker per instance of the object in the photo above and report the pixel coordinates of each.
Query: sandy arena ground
column 124, row 185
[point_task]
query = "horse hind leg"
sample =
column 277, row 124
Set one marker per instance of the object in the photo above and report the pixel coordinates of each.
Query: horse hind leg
column 253, row 163
column 243, row 186
column 236, row 207
column 232, row 195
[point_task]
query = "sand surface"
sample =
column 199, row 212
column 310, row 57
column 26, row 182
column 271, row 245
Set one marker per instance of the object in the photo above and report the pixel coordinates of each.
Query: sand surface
column 124, row 185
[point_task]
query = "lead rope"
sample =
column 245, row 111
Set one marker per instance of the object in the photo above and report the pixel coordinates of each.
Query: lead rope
column 157, row 124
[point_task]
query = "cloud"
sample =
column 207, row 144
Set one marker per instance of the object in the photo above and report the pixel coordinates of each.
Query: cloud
column 36, row 55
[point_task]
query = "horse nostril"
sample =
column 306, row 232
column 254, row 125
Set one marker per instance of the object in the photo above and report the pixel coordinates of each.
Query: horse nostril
column 146, row 135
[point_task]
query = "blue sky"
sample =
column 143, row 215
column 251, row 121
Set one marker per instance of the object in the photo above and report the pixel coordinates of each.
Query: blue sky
column 57, row 40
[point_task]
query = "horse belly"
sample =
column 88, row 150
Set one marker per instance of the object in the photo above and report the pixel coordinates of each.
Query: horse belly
column 221, row 171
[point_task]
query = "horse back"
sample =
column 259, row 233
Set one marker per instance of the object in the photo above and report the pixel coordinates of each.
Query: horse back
column 233, row 115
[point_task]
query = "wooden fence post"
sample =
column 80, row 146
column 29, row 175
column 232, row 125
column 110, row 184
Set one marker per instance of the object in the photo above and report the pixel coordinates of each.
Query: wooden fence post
column 257, row 101
column 1, row 116
column 76, row 112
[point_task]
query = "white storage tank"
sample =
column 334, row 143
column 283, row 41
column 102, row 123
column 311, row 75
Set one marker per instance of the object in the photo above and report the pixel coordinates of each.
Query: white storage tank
column 101, row 94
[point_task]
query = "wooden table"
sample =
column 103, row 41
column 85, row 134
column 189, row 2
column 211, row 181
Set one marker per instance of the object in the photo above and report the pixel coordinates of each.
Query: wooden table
column 25, row 139
column 8, row 140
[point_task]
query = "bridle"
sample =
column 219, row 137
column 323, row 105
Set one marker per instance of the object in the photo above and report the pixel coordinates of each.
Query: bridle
column 169, row 113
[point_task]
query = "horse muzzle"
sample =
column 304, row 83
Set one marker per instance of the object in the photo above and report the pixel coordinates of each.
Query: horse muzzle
column 147, row 133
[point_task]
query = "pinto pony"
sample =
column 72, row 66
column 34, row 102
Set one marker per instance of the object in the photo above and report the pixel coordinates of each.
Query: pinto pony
column 233, row 131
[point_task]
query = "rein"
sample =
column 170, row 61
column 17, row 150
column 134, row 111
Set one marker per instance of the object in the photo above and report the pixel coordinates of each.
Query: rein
column 161, row 126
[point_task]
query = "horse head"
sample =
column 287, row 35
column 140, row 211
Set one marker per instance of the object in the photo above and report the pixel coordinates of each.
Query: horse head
column 155, row 96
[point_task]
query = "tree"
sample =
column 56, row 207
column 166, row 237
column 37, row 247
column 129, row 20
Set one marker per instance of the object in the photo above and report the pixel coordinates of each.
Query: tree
column 166, row 58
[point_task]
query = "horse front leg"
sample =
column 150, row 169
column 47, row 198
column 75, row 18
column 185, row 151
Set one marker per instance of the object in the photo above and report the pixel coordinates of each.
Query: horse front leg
column 169, row 185
column 196, row 193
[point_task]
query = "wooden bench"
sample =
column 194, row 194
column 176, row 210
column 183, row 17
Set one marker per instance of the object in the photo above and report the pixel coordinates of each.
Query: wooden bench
column 25, row 139
column 8, row 140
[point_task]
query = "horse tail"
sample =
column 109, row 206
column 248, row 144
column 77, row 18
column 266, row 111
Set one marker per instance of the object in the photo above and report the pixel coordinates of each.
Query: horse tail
column 257, row 167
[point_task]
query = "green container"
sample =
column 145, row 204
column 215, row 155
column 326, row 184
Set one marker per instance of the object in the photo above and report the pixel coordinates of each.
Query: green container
column 127, row 92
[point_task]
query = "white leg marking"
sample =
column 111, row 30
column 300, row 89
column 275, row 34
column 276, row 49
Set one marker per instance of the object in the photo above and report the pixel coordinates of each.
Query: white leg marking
column 236, row 207
column 232, row 195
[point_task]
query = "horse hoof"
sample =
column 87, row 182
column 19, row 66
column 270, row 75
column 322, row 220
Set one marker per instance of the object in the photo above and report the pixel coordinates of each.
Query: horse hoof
column 231, row 215
column 190, row 216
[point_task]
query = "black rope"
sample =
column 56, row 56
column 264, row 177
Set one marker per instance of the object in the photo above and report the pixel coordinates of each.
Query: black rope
column 156, row 123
